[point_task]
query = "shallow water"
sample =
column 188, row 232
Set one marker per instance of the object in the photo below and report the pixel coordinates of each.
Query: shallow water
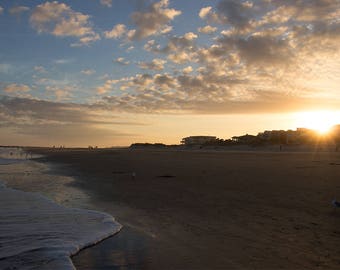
column 36, row 232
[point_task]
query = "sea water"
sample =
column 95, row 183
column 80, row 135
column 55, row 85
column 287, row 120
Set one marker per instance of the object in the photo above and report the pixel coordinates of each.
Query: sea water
column 37, row 233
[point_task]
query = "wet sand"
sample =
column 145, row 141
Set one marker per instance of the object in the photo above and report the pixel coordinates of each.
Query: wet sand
column 210, row 209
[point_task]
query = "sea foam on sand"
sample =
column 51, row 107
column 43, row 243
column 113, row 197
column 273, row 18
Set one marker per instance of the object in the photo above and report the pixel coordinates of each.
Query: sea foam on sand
column 37, row 233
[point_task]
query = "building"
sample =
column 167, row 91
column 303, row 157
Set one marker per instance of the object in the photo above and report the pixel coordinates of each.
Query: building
column 244, row 139
column 198, row 140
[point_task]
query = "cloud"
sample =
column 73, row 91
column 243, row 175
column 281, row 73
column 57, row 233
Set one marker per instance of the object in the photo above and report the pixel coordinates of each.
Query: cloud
column 1, row 10
column 180, row 49
column 52, row 82
column 187, row 70
column 117, row 31
column 204, row 12
column 309, row 11
column 271, row 56
column 63, row 61
column 130, row 48
column 192, row 94
column 60, row 20
column 88, row 72
column 209, row 15
column 153, row 21
column 40, row 69
column 108, row 86
column 122, row 61
column 155, row 64
column 207, row 29
column 150, row 46
column 11, row 88
column 17, row 10
column 237, row 13
column 107, row 3
column 53, row 123
column 86, row 40
column 259, row 49
column 60, row 93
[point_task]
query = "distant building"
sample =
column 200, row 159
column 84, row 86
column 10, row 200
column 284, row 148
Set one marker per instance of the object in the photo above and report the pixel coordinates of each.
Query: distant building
column 298, row 136
column 244, row 139
column 198, row 140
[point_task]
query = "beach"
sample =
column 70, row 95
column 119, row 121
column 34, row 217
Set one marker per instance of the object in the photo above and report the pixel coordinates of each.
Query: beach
column 209, row 209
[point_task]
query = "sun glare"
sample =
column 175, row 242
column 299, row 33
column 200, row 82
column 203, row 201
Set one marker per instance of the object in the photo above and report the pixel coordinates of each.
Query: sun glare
column 321, row 121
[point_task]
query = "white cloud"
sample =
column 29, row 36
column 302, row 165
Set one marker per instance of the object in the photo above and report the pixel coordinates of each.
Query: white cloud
column 121, row 61
column 207, row 29
column 180, row 49
column 155, row 20
column 62, row 61
column 60, row 20
column 166, row 29
column 108, row 86
column 40, row 69
column 88, row 72
column 130, row 49
column 60, row 93
column 149, row 45
column 187, row 70
column 204, row 12
column 253, row 65
column 11, row 88
column 155, row 64
column 272, row 56
column 107, row 3
column 117, row 31
column 1, row 10
column 86, row 40
column 190, row 36
column 17, row 10
column 131, row 34
column 180, row 57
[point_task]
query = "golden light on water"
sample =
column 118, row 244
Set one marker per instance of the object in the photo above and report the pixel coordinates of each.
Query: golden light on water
column 321, row 121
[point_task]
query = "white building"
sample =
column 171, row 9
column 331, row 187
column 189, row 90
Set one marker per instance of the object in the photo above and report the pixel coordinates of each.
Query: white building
column 198, row 140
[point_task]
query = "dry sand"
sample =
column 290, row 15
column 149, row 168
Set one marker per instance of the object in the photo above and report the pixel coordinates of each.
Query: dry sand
column 210, row 209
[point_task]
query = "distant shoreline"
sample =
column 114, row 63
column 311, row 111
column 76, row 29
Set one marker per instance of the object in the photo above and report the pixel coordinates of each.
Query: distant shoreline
column 230, row 148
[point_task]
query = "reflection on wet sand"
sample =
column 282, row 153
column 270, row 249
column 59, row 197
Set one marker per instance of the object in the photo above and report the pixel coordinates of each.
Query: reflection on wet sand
column 126, row 250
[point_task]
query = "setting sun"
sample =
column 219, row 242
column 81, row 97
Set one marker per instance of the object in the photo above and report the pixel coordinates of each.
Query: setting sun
column 321, row 121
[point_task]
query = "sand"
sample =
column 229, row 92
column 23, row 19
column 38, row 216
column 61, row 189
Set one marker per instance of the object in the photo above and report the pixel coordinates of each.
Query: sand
column 210, row 209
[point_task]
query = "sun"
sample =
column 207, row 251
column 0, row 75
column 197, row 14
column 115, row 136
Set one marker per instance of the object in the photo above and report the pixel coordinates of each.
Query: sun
column 320, row 121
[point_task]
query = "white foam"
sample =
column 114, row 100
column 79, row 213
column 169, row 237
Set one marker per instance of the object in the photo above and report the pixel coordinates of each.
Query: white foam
column 36, row 233
column 15, row 153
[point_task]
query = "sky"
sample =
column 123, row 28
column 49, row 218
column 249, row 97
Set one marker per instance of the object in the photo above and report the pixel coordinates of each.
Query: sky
column 115, row 72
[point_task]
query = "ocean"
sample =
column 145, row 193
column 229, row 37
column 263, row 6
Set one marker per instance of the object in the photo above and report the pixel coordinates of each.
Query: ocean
column 38, row 233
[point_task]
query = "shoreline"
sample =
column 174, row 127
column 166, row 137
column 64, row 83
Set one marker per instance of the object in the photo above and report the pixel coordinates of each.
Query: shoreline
column 263, row 209
column 24, row 201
